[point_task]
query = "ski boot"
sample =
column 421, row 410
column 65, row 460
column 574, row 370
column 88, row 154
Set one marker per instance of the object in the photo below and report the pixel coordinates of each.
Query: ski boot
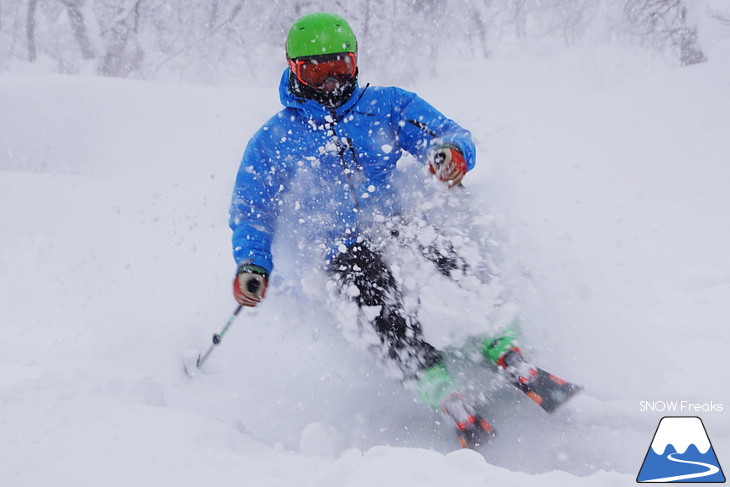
column 546, row 389
column 437, row 389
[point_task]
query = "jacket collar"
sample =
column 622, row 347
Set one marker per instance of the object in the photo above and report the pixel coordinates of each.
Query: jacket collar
column 311, row 108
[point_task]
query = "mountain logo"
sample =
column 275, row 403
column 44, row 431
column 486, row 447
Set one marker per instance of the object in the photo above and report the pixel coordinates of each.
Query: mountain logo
column 681, row 452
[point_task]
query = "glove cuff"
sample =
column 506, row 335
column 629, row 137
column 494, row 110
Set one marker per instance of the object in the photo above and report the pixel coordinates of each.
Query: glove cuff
column 252, row 269
column 448, row 146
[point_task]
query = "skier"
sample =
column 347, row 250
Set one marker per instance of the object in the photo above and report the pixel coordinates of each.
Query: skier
column 344, row 140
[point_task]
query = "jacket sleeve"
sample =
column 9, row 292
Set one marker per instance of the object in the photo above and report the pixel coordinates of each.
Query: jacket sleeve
column 421, row 127
column 255, row 202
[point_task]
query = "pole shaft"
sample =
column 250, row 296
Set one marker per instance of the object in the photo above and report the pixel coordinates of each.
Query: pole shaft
column 218, row 337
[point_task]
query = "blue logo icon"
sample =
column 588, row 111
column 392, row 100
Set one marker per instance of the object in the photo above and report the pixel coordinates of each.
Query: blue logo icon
column 681, row 452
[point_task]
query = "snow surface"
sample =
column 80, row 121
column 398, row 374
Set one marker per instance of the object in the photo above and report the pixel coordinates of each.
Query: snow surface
column 604, row 173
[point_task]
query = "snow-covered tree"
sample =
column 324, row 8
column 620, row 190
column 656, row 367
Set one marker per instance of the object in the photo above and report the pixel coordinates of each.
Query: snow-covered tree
column 204, row 39
column 666, row 22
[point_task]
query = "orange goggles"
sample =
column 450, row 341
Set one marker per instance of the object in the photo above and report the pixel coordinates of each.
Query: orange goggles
column 315, row 71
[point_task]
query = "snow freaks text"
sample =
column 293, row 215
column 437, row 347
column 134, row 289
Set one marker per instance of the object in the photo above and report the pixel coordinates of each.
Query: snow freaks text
column 680, row 407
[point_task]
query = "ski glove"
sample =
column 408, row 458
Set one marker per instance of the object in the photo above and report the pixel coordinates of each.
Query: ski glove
column 448, row 164
column 249, row 286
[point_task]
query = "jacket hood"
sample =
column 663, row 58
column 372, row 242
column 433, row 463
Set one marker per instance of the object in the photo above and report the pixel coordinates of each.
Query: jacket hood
column 312, row 108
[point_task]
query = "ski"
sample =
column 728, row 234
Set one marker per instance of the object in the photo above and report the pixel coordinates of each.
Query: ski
column 547, row 390
column 472, row 430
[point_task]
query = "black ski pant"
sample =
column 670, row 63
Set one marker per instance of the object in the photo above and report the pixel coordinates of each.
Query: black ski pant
column 400, row 334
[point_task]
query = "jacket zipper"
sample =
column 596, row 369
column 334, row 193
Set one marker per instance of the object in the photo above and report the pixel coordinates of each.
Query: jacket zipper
column 342, row 148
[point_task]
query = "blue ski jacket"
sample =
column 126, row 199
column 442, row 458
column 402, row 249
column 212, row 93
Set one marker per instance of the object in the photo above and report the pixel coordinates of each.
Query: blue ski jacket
column 338, row 163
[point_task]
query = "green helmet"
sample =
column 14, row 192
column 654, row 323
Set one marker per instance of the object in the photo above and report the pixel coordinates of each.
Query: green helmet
column 320, row 33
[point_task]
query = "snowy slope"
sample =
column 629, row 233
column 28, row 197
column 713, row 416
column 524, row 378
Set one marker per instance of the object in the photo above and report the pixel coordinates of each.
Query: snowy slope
column 605, row 175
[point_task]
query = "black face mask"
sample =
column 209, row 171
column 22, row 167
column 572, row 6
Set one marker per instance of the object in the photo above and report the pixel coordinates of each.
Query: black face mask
column 331, row 99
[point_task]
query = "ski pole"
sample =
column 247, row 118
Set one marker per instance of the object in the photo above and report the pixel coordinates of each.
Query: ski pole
column 218, row 337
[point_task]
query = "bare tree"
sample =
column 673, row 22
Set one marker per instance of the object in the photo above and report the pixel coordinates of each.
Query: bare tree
column 202, row 39
column 207, row 34
column 30, row 23
column 724, row 18
column 117, row 61
column 79, row 27
column 520, row 18
column 480, row 25
column 666, row 22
